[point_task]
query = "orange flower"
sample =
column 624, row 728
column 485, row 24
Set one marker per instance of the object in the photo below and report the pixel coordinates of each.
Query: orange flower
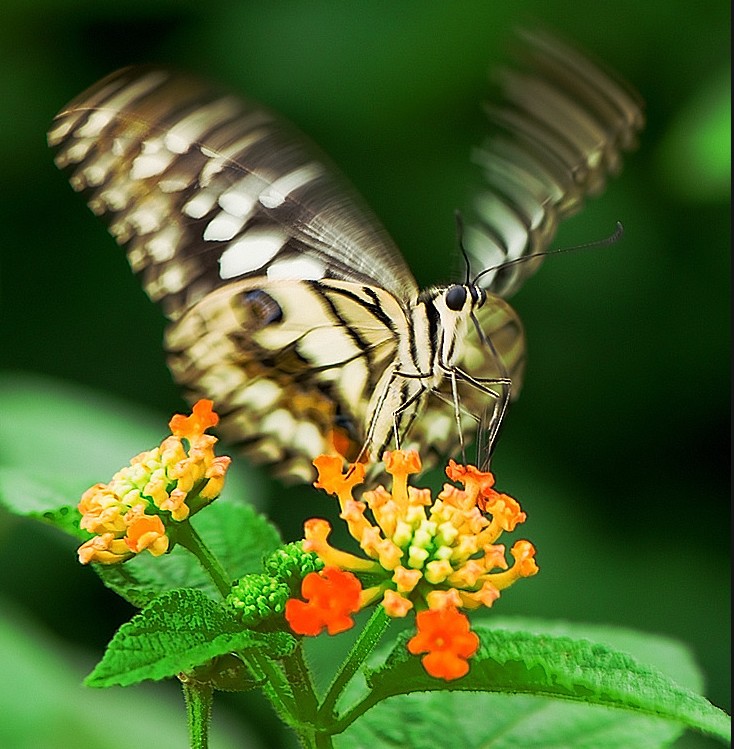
column 202, row 417
column 332, row 595
column 421, row 552
column 444, row 635
column 147, row 532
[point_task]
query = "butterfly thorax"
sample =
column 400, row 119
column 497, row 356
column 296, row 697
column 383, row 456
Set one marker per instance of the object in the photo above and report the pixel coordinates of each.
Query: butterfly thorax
column 428, row 350
column 449, row 310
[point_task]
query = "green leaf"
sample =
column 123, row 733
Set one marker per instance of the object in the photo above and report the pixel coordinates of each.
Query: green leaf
column 237, row 535
column 178, row 631
column 558, row 667
column 31, row 496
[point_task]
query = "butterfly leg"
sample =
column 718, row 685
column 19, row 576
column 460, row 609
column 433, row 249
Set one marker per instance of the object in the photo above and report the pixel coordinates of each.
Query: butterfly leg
column 489, row 424
column 398, row 412
column 457, row 413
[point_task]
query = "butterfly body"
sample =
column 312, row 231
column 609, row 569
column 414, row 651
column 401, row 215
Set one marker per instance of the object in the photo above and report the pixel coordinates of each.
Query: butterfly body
column 289, row 305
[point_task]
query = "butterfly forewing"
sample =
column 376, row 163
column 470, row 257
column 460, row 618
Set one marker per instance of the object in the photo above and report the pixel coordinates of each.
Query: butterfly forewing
column 202, row 187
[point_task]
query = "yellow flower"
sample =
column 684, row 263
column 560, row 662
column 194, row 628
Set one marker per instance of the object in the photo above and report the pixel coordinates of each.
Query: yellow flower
column 161, row 486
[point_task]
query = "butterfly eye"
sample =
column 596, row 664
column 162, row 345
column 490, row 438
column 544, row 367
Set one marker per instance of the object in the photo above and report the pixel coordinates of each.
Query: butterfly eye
column 455, row 297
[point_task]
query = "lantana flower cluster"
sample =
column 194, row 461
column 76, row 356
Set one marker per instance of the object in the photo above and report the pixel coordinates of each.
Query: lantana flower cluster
column 160, row 487
column 438, row 557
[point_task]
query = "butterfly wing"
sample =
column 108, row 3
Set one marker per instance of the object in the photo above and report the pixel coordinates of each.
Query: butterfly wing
column 560, row 125
column 202, row 188
column 292, row 363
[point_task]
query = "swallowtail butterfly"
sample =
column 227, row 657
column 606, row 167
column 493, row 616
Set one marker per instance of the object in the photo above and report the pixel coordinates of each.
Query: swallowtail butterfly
column 289, row 305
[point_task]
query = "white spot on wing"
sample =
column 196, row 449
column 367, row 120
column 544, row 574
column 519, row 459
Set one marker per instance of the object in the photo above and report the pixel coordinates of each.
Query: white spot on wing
column 97, row 170
column 240, row 199
column 175, row 143
column 59, row 131
column 77, row 151
column 279, row 423
column 277, row 193
column 95, row 124
column 145, row 220
column 200, row 204
column 252, row 251
column 223, row 227
column 173, row 184
column 296, row 268
column 307, row 438
column 260, row 396
column 149, row 164
column 115, row 197
column 163, row 245
column 186, row 132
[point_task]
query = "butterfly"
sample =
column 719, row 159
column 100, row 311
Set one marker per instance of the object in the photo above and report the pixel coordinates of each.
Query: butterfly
column 289, row 304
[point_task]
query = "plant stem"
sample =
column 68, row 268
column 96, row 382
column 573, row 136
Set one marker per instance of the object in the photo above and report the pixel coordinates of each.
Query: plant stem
column 274, row 684
column 187, row 536
column 361, row 649
column 299, row 678
column 198, row 699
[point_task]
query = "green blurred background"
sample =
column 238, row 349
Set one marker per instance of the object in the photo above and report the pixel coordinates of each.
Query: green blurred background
column 619, row 446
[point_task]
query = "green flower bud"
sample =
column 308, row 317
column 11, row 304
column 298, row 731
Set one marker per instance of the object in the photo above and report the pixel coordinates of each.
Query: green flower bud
column 290, row 564
column 258, row 597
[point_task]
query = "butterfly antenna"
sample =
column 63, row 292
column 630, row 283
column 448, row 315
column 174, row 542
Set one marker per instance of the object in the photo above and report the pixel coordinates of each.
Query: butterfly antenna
column 613, row 238
column 460, row 241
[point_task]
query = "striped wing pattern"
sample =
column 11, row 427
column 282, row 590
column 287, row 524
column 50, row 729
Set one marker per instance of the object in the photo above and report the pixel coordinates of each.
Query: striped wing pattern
column 559, row 128
column 289, row 304
column 295, row 364
column 201, row 187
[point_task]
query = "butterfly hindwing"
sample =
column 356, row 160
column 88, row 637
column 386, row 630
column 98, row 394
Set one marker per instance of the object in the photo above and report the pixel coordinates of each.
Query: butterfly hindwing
column 293, row 364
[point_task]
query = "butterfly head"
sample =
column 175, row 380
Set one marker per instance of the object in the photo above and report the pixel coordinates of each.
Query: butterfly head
column 464, row 297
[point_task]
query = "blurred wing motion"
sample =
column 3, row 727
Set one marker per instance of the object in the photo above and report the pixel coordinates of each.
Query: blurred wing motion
column 559, row 128
column 290, row 306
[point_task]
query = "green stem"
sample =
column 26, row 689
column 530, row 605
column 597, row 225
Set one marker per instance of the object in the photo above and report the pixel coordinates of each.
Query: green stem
column 198, row 699
column 187, row 536
column 274, row 684
column 299, row 677
column 323, row 741
column 361, row 649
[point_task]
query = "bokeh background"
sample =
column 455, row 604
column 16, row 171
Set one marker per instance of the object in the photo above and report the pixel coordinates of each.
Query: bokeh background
column 619, row 445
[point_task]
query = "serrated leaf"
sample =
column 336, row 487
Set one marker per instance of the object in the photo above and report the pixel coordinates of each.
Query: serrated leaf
column 498, row 721
column 559, row 667
column 502, row 721
column 178, row 631
column 237, row 535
